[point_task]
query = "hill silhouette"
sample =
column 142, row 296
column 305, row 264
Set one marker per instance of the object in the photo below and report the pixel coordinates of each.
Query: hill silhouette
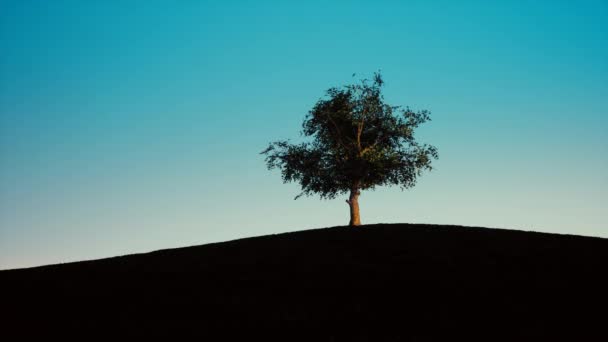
column 397, row 282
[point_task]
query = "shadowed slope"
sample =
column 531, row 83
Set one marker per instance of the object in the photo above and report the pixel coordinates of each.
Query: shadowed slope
column 376, row 282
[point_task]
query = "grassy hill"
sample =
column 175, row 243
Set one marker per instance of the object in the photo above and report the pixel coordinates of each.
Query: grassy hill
column 394, row 282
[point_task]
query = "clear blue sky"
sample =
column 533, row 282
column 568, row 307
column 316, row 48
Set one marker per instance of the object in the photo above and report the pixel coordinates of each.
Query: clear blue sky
column 130, row 126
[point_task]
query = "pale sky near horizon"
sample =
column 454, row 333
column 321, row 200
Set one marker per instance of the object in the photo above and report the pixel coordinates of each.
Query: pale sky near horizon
column 131, row 126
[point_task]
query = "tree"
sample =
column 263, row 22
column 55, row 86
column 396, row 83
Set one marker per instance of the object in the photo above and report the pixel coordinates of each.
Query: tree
column 357, row 142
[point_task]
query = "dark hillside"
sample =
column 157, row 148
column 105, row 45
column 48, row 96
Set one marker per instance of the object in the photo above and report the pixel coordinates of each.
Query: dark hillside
column 394, row 282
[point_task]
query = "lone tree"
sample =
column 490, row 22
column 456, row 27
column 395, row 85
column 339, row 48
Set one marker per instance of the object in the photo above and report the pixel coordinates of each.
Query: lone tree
column 357, row 142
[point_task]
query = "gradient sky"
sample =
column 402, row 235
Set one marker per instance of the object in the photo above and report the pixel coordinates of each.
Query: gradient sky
column 131, row 126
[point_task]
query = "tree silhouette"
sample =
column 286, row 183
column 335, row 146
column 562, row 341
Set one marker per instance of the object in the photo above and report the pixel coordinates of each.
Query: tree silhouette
column 357, row 142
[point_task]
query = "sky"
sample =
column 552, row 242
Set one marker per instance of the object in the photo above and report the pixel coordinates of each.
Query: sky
column 132, row 126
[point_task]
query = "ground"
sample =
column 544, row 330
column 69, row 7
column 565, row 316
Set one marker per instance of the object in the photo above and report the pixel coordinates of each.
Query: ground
column 396, row 282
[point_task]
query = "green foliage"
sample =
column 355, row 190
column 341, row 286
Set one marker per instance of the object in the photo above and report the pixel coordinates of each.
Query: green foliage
column 357, row 142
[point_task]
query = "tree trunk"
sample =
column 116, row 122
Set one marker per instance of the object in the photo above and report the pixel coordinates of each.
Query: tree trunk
column 353, row 203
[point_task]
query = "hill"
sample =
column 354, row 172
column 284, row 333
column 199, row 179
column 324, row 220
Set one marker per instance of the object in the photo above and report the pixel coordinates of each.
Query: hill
column 394, row 282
